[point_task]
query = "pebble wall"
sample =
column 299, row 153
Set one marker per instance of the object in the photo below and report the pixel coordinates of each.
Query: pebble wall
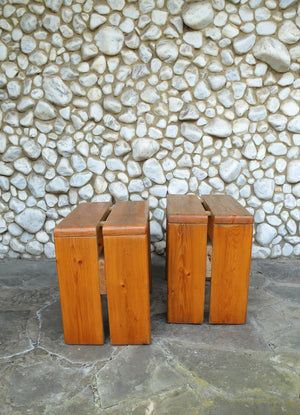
column 130, row 100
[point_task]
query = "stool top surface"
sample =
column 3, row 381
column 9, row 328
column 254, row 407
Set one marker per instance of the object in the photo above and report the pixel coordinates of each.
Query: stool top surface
column 225, row 209
column 83, row 220
column 127, row 218
column 185, row 209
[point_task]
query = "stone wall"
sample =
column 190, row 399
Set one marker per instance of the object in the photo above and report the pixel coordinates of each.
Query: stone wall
column 116, row 100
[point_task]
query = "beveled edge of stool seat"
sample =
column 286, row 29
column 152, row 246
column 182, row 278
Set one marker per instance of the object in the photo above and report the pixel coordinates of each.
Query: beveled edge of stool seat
column 127, row 218
column 84, row 220
column 185, row 209
column 226, row 210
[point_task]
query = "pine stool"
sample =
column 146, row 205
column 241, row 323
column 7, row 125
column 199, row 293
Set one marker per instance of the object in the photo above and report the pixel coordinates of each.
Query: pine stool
column 78, row 243
column 230, row 228
column 186, row 254
column 103, row 250
column 127, row 268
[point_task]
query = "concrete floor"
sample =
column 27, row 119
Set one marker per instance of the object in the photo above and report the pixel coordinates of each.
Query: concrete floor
column 253, row 369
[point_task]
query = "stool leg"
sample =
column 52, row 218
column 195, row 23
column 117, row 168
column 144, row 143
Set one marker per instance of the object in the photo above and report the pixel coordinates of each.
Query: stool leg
column 127, row 280
column 231, row 259
column 78, row 277
column 149, row 256
column 186, row 257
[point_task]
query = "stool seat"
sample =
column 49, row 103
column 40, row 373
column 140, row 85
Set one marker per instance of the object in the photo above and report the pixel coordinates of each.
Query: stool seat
column 127, row 267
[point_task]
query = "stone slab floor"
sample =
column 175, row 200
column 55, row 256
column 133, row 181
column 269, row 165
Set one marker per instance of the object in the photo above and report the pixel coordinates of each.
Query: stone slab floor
column 188, row 369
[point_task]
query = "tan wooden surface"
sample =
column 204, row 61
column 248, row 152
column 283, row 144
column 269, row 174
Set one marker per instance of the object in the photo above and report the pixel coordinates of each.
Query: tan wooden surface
column 230, row 274
column 208, row 260
column 126, row 246
column 78, row 242
column 127, row 280
column 83, row 220
column 77, row 266
column 225, row 209
column 230, row 229
column 127, row 218
column 102, row 275
column 186, row 254
column 186, row 257
column 149, row 253
column 185, row 209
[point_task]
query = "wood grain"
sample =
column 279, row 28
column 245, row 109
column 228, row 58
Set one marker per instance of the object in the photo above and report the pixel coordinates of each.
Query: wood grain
column 230, row 229
column 186, row 257
column 225, row 209
column 102, row 275
column 78, row 242
column 186, row 253
column 127, row 280
column 83, row 220
column 208, row 260
column 127, row 218
column 230, row 273
column 149, row 252
column 77, row 266
column 127, row 267
column 185, row 209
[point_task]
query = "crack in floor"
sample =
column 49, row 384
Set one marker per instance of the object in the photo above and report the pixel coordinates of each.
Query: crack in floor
column 101, row 385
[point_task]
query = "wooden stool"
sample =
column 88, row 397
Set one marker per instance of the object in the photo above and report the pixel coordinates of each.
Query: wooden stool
column 230, row 229
column 78, row 243
column 85, row 272
column 127, row 264
column 186, row 255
